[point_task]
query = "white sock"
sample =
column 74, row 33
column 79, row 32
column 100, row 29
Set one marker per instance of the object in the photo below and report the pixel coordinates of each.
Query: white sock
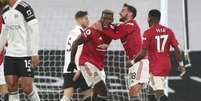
column 66, row 98
column 33, row 96
column 14, row 96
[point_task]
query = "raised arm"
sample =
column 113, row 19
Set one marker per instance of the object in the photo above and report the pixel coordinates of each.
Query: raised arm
column 123, row 31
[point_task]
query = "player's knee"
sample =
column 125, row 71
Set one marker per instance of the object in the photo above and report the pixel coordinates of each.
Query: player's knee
column 27, row 88
column 11, row 86
column 27, row 85
column 135, row 90
column 101, row 85
column 88, row 93
column 159, row 93
column 69, row 92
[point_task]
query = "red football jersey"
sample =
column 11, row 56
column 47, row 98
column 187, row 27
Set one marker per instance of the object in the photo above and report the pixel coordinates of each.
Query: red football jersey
column 94, row 48
column 157, row 40
column 3, row 52
column 130, row 36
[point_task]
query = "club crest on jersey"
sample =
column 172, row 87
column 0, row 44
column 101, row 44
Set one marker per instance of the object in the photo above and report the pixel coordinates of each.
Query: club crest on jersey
column 100, row 38
column 16, row 15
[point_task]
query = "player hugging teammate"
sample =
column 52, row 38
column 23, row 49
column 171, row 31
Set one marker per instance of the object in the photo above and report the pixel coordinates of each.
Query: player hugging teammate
column 89, row 74
column 153, row 53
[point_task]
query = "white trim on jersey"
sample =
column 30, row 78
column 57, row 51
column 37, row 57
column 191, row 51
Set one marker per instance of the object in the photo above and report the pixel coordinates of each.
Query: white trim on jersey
column 22, row 30
column 73, row 35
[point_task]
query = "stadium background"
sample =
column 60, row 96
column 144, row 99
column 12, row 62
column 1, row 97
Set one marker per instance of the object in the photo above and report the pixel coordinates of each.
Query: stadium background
column 56, row 19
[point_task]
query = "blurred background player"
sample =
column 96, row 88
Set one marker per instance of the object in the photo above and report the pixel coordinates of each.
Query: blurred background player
column 92, row 57
column 72, row 79
column 156, row 43
column 129, row 33
column 3, row 86
column 22, row 34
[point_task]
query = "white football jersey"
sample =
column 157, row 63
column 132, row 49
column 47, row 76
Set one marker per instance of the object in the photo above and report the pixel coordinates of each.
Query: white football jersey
column 21, row 30
column 74, row 34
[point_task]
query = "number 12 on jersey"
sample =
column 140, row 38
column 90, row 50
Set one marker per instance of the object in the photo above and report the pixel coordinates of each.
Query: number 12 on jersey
column 161, row 41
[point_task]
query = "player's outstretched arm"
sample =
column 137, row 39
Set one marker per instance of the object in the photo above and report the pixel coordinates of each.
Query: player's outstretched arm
column 122, row 32
column 74, row 47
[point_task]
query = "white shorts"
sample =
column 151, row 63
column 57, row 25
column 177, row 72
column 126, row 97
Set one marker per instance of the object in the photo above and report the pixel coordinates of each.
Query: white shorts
column 157, row 82
column 92, row 74
column 139, row 73
column 2, row 77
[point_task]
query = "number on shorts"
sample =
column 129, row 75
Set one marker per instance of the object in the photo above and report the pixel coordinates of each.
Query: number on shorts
column 28, row 65
column 161, row 48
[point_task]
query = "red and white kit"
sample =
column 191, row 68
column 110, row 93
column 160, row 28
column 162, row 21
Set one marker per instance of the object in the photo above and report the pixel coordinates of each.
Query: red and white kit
column 92, row 56
column 130, row 36
column 157, row 40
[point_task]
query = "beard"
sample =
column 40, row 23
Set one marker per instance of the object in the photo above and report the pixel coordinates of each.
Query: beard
column 122, row 19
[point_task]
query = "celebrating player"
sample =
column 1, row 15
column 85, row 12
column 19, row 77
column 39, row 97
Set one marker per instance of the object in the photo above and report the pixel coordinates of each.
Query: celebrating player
column 21, row 32
column 130, row 35
column 92, row 56
column 156, row 43
column 69, row 74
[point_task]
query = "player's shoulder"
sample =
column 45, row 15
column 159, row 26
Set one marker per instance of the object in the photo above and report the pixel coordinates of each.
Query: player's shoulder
column 148, row 31
column 5, row 9
column 76, row 30
column 23, row 7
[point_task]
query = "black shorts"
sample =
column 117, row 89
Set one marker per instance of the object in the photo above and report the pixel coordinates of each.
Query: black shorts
column 19, row 66
column 80, row 83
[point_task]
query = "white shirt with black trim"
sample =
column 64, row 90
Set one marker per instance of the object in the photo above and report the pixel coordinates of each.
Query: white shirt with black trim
column 20, row 30
column 73, row 35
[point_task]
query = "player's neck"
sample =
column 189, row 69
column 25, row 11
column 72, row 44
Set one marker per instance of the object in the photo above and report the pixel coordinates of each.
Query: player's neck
column 154, row 23
column 129, row 19
column 11, row 2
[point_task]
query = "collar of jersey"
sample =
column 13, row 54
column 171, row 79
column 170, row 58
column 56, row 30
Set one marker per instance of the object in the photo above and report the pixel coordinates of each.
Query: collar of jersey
column 80, row 27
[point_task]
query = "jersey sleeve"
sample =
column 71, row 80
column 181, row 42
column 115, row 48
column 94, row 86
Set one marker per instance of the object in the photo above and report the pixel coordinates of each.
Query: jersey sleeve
column 86, row 35
column 26, row 11
column 123, row 30
column 70, row 39
column 173, row 41
column 146, row 40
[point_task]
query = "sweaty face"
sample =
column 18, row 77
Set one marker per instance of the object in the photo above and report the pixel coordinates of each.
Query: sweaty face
column 106, row 20
column 123, row 14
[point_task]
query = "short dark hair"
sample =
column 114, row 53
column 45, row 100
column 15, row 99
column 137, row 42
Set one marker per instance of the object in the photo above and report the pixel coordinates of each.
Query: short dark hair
column 155, row 13
column 107, row 12
column 131, row 9
column 81, row 14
